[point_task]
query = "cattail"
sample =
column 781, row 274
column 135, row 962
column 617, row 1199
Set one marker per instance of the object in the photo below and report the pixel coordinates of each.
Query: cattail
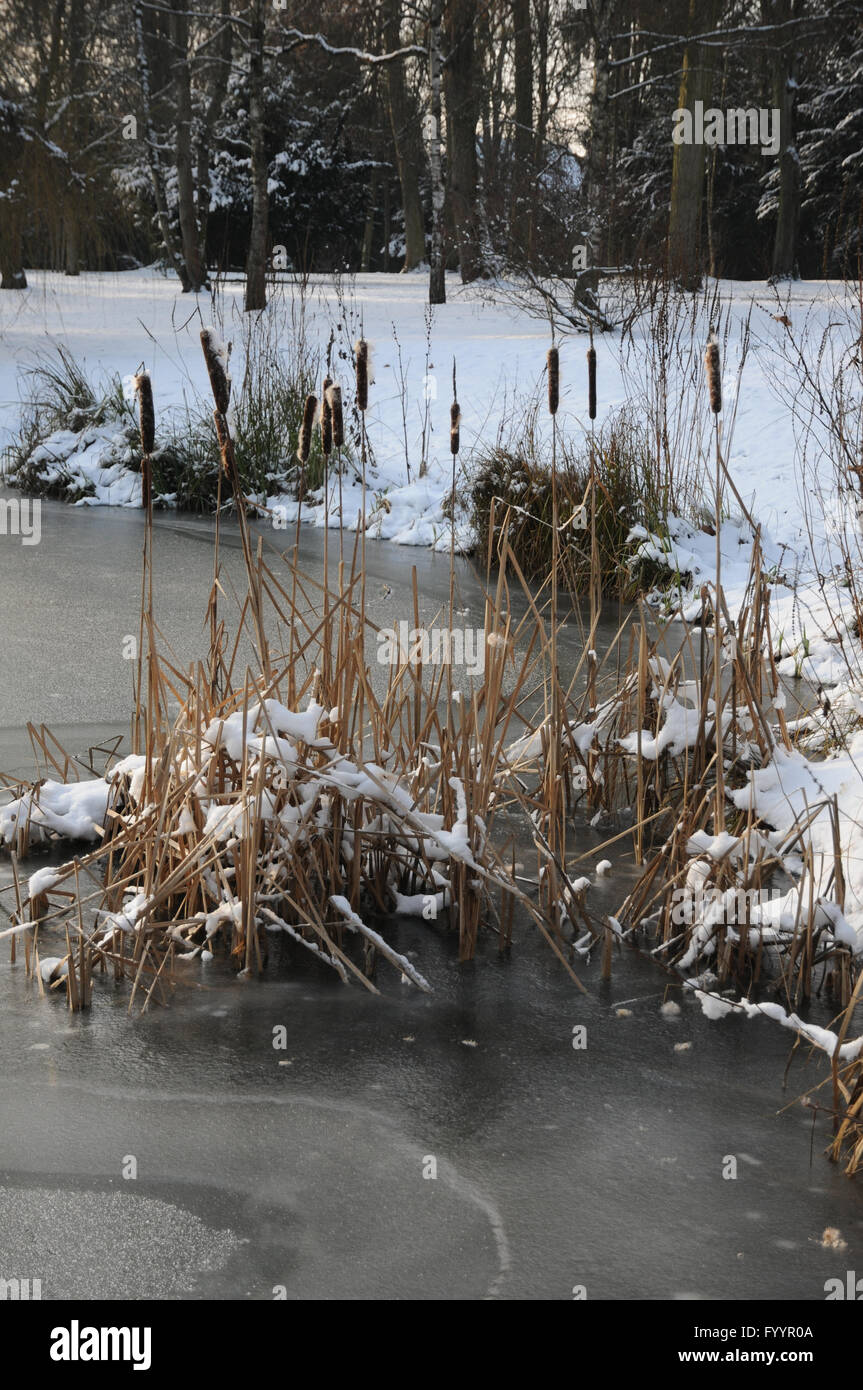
column 591, row 382
column 553, row 380
column 146, row 413
column 216, row 359
column 334, row 397
column 714, row 380
column 305, row 441
column 454, row 422
column 361, row 349
column 326, row 418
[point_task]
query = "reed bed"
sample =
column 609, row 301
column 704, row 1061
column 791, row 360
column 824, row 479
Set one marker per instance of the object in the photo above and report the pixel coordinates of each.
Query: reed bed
column 288, row 795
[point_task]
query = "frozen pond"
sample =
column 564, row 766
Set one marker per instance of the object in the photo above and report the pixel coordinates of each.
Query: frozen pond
column 302, row 1168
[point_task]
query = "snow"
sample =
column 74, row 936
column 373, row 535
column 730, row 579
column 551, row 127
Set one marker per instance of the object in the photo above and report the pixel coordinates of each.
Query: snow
column 75, row 811
column 716, row 1008
column 112, row 321
column 53, row 967
column 42, row 882
column 793, row 786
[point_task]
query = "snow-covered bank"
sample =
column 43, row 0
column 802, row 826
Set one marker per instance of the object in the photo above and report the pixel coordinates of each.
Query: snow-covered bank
column 112, row 322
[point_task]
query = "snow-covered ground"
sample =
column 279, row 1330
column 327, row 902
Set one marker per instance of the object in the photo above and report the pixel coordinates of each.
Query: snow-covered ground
column 112, row 323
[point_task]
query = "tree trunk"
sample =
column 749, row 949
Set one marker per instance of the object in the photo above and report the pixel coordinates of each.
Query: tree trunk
column 600, row 138
column 369, row 229
column 407, row 140
column 256, row 263
column 520, row 212
column 542, row 32
column 461, row 117
column 687, row 176
column 784, row 93
column 70, row 227
column 196, row 277
column 74, row 210
column 12, row 275
column 437, row 271
column 218, row 91
column 151, row 141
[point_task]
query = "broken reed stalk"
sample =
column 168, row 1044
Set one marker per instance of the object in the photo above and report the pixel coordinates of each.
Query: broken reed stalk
column 334, row 401
column 554, row 807
column 595, row 579
column 363, row 361
column 714, row 386
column 147, row 429
column 216, row 361
column 326, row 424
column 454, row 444
column 304, row 448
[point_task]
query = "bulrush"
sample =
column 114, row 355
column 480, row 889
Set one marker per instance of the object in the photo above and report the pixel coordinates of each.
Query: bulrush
column 146, row 413
column 216, row 359
column 363, row 363
column 454, row 423
column 334, row 400
column 326, row 418
column 304, row 444
column 714, row 379
column 591, row 382
column 553, row 380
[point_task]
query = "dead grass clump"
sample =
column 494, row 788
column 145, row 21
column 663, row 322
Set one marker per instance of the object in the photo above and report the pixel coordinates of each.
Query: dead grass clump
column 516, row 476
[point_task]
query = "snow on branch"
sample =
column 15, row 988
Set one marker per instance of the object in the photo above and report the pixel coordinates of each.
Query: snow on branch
column 411, row 51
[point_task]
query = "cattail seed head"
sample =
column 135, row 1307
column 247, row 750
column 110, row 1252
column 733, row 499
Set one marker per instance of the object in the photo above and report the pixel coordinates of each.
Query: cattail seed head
column 146, row 413
column 553, row 380
column 361, row 349
column 591, row 382
column 454, row 423
column 216, row 359
column 305, row 441
column 714, row 378
column 326, row 418
column 334, row 397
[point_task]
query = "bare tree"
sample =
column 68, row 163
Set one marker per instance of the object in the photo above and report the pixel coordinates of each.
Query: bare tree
column 196, row 275
column 523, row 140
column 437, row 268
column 783, row 76
column 687, row 177
column 407, row 139
column 256, row 263
column 144, row 48
column 462, row 109
column 219, row 64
